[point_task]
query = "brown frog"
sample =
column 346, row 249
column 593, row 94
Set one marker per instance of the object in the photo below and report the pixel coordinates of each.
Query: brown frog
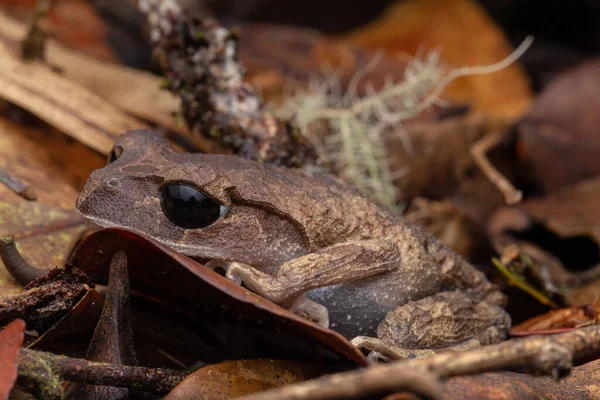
column 304, row 241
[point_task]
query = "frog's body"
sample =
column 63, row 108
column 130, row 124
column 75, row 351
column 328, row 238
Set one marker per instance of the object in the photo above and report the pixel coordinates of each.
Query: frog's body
column 288, row 233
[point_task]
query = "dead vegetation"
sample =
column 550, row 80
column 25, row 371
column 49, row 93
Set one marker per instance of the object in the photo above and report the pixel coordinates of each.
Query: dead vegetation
column 452, row 135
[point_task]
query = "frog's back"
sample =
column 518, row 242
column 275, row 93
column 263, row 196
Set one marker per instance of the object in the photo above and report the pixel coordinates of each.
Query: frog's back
column 328, row 210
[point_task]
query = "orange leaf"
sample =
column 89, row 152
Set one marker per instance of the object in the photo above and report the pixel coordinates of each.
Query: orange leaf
column 466, row 36
column 11, row 339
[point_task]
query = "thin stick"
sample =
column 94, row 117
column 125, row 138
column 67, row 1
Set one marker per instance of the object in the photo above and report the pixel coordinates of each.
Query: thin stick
column 551, row 355
column 21, row 188
column 56, row 368
column 15, row 264
column 479, row 152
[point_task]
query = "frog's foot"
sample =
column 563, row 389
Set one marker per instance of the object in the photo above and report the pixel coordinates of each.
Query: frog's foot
column 216, row 264
column 382, row 351
column 261, row 283
column 445, row 321
column 310, row 310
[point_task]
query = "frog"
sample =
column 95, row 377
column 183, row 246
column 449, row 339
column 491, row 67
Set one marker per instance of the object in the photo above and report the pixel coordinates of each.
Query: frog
column 302, row 239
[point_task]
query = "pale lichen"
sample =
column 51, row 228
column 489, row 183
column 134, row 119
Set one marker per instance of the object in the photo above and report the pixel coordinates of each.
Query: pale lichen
column 353, row 146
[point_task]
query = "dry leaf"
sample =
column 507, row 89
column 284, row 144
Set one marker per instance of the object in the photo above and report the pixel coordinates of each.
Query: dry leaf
column 136, row 92
column 79, row 322
column 233, row 379
column 438, row 158
column 113, row 340
column 556, row 321
column 559, row 136
column 44, row 236
column 11, row 339
column 69, row 107
column 581, row 384
column 73, row 23
column 466, row 36
column 295, row 56
column 561, row 234
column 448, row 223
column 248, row 326
column 54, row 165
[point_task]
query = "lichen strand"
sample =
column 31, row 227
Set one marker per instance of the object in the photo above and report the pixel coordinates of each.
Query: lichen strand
column 199, row 60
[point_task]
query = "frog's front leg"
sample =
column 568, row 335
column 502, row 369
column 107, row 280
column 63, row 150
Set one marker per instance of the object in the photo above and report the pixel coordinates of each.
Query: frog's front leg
column 301, row 305
column 342, row 262
column 446, row 321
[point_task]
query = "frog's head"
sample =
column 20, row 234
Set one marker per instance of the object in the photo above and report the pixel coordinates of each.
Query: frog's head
column 188, row 202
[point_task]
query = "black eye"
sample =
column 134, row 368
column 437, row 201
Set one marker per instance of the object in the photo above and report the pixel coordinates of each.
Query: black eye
column 187, row 207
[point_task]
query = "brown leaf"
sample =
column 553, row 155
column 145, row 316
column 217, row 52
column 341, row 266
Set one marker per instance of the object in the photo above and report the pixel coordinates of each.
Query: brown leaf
column 44, row 235
column 55, row 165
column 448, row 223
column 439, row 163
column 136, row 92
column 438, row 158
column 557, row 321
column 112, row 341
column 561, row 233
column 571, row 211
column 297, row 54
column 238, row 378
column 71, row 22
column 581, row 384
column 11, row 339
column 267, row 330
column 558, row 137
column 455, row 28
column 71, row 108
column 79, row 322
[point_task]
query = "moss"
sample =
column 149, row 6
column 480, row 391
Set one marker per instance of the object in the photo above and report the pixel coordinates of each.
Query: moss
column 37, row 375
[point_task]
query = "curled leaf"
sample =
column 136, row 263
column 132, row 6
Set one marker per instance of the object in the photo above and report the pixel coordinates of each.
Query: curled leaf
column 238, row 378
column 242, row 323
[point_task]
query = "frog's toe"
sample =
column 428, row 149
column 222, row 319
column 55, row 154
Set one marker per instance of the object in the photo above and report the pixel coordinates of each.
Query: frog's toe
column 375, row 357
column 387, row 351
column 233, row 276
column 216, row 264
column 311, row 310
column 263, row 284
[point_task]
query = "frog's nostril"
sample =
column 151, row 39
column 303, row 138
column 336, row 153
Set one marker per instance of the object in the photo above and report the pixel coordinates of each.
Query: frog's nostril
column 116, row 152
column 113, row 183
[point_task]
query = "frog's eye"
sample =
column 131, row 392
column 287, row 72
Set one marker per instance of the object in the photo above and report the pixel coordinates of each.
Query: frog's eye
column 189, row 208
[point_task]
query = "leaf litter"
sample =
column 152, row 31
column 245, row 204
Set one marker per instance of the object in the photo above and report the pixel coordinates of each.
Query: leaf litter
column 427, row 163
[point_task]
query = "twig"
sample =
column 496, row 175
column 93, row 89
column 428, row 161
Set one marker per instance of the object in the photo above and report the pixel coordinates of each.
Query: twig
column 112, row 341
column 199, row 58
column 15, row 264
column 56, row 368
column 479, row 152
column 520, row 282
column 34, row 45
column 551, row 355
column 357, row 384
column 21, row 188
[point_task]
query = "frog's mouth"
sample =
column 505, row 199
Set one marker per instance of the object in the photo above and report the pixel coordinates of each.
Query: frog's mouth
column 196, row 252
